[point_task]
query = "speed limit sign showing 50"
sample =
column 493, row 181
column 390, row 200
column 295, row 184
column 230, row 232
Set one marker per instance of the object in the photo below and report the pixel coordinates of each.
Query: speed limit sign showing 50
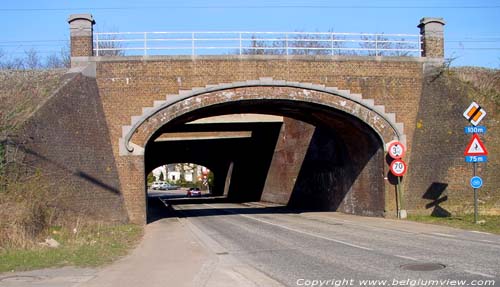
column 396, row 150
column 398, row 167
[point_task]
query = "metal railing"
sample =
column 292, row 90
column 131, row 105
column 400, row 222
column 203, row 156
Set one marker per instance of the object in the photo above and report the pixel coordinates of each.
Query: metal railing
column 255, row 43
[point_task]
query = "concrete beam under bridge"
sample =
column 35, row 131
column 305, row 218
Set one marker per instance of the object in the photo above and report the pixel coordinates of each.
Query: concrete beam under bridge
column 224, row 119
column 239, row 118
column 203, row 136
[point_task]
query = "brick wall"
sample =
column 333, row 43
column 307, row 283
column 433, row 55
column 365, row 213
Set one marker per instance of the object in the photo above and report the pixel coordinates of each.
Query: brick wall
column 67, row 141
column 438, row 179
column 433, row 47
column 81, row 46
column 129, row 85
column 289, row 154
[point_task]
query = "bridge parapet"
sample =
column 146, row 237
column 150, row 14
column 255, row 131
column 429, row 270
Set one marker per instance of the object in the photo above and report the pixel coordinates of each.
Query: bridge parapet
column 85, row 43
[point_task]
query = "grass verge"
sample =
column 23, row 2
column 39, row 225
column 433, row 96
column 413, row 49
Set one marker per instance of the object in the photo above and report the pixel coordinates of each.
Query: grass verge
column 89, row 247
column 491, row 222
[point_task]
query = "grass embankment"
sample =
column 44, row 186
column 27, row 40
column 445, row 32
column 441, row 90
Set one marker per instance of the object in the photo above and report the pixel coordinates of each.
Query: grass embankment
column 28, row 204
column 89, row 247
column 489, row 223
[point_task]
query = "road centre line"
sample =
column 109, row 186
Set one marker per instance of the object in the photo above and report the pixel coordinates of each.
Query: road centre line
column 298, row 231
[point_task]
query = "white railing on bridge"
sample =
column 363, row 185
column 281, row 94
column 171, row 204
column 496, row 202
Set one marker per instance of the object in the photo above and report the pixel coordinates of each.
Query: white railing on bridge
column 255, row 43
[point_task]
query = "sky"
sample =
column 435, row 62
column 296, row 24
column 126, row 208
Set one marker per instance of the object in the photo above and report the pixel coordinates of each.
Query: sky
column 472, row 30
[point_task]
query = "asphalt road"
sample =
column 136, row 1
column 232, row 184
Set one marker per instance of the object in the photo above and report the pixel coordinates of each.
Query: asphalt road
column 296, row 249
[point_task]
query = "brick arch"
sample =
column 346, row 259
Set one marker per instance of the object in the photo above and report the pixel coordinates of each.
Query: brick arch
column 136, row 136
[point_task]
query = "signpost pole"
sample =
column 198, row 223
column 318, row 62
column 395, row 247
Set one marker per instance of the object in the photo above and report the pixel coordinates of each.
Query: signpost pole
column 398, row 168
column 475, row 194
column 475, row 151
column 401, row 194
column 398, row 200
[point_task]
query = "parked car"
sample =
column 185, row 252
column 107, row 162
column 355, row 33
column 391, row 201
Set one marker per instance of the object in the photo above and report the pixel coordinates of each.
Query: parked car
column 157, row 185
column 168, row 186
column 172, row 187
column 165, row 186
column 194, row 192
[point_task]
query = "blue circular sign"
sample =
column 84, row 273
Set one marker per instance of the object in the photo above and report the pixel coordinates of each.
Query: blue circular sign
column 476, row 182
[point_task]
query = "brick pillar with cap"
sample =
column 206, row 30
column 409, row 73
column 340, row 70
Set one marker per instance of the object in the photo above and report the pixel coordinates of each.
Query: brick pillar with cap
column 432, row 32
column 81, row 33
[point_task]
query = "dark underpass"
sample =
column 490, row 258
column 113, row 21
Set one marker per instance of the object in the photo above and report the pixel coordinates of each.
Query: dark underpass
column 321, row 159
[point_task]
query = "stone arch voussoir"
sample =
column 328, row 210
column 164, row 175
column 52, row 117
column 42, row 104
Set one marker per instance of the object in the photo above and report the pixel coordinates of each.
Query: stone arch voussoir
column 136, row 136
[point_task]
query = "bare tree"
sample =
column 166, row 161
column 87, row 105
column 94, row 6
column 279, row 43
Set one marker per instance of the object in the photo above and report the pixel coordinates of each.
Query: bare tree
column 62, row 59
column 32, row 59
column 257, row 47
column 12, row 64
column 54, row 61
column 310, row 44
column 296, row 44
column 65, row 55
column 402, row 48
column 109, row 46
column 379, row 45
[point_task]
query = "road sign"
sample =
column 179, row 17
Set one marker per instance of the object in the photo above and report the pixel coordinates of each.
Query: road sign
column 475, row 130
column 476, row 158
column 474, row 113
column 396, row 150
column 476, row 182
column 475, row 147
column 398, row 167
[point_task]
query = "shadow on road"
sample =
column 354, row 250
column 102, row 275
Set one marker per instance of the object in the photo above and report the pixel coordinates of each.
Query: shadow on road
column 157, row 210
column 160, row 207
column 224, row 211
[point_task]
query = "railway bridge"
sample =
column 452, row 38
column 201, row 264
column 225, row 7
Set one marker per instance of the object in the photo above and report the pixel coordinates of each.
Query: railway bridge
column 306, row 127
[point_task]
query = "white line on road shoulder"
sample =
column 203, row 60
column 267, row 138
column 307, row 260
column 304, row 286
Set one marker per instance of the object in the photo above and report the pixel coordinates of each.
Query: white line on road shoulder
column 296, row 230
column 480, row 232
column 442, row 234
column 479, row 273
column 406, row 257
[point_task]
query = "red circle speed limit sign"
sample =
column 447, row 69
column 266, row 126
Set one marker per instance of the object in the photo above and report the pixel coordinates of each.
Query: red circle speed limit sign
column 398, row 167
column 396, row 150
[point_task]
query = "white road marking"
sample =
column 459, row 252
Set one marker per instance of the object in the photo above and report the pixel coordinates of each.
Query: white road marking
column 453, row 237
column 298, row 231
column 406, row 257
column 442, row 234
column 479, row 273
column 480, row 232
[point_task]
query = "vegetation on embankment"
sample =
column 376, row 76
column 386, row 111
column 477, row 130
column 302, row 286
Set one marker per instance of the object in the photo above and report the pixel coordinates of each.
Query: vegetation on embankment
column 22, row 92
column 29, row 214
column 87, row 246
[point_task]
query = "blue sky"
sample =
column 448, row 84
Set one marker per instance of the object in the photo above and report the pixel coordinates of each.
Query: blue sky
column 472, row 30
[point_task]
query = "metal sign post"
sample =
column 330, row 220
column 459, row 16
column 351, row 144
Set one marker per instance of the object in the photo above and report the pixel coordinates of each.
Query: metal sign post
column 475, row 151
column 398, row 168
column 475, row 193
